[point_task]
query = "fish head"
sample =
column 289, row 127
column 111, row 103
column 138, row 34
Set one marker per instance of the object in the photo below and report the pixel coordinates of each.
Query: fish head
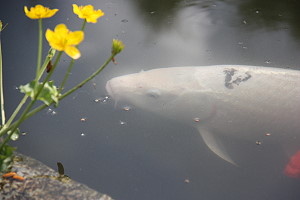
column 143, row 89
column 164, row 91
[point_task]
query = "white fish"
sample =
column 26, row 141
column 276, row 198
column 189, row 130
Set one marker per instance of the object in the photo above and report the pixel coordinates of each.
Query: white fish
column 220, row 101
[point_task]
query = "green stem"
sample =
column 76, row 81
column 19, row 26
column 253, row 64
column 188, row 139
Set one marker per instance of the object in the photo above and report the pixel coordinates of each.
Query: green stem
column 7, row 126
column 50, row 55
column 88, row 79
column 41, row 107
column 70, row 65
column 49, row 75
column 83, row 25
column 66, row 76
column 17, row 124
column 12, row 117
column 1, row 88
column 27, row 109
column 40, row 48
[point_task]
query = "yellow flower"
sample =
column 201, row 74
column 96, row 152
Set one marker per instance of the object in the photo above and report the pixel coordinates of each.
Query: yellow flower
column 39, row 12
column 62, row 39
column 87, row 12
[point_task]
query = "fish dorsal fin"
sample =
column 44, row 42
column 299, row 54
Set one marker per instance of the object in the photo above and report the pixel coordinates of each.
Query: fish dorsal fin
column 214, row 145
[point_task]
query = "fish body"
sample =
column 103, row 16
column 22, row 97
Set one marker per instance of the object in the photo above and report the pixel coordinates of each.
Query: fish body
column 220, row 101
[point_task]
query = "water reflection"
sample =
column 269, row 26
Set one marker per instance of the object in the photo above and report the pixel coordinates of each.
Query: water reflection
column 255, row 14
column 161, row 14
column 272, row 14
column 141, row 152
column 158, row 13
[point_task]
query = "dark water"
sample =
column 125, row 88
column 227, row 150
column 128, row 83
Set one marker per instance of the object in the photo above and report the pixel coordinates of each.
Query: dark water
column 149, row 157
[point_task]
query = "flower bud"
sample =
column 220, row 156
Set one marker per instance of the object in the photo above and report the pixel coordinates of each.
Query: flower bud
column 117, row 46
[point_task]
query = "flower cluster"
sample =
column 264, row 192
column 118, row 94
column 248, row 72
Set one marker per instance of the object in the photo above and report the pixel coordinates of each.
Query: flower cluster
column 42, row 87
column 62, row 39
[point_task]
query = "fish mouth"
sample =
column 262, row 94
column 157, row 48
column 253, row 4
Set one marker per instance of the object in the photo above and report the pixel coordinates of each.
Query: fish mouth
column 110, row 92
column 109, row 89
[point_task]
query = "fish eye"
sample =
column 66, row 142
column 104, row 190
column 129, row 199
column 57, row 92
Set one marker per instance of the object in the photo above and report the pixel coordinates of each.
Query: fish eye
column 154, row 93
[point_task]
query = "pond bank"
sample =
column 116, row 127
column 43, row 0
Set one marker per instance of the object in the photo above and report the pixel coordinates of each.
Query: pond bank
column 41, row 182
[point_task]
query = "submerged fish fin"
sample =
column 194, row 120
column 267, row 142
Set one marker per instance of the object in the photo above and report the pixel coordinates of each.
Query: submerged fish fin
column 214, row 145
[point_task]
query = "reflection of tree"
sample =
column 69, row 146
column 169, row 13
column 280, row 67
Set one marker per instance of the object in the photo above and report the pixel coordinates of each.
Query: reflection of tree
column 158, row 12
column 271, row 13
column 257, row 13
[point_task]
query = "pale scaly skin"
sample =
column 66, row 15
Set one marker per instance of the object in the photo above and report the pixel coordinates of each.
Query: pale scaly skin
column 228, row 101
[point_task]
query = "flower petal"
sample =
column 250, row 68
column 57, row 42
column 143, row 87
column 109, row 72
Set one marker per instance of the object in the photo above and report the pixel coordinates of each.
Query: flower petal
column 73, row 52
column 88, row 9
column 76, row 9
column 54, row 40
column 74, row 38
column 61, row 29
column 93, row 17
column 39, row 12
column 26, row 9
column 87, row 12
column 50, row 13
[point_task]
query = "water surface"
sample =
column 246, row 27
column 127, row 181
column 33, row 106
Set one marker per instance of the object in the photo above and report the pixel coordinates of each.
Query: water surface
column 136, row 155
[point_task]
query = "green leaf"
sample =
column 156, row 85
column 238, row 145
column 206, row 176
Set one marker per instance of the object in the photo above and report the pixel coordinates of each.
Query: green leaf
column 28, row 89
column 6, row 158
column 48, row 94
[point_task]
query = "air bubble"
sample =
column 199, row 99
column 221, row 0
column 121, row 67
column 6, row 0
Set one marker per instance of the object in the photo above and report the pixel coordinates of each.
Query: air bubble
column 127, row 108
column 267, row 61
column 187, row 180
column 83, row 119
column 51, row 112
column 102, row 99
column 122, row 123
column 82, row 134
column 14, row 137
column 196, row 119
